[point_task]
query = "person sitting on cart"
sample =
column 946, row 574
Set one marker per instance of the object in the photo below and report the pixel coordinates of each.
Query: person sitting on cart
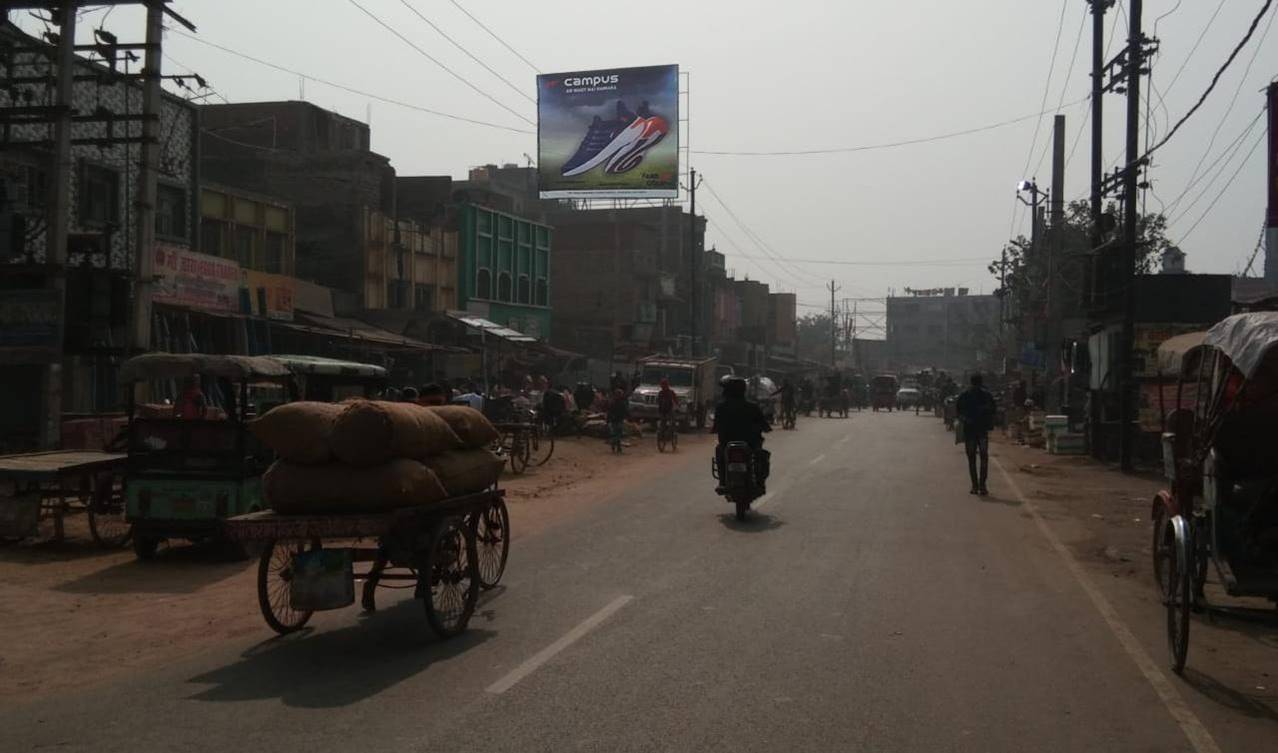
column 739, row 420
column 667, row 401
column 191, row 403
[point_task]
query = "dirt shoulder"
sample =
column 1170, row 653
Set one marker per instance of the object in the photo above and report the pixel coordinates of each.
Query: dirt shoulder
column 1103, row 517
column 76, row 615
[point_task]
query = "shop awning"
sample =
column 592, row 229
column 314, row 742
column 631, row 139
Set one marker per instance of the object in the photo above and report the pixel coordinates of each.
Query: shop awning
column 354, row 329
column 490, row 328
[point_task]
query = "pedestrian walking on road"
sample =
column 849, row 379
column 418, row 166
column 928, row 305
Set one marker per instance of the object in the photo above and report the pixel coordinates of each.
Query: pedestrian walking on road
column 975, row 409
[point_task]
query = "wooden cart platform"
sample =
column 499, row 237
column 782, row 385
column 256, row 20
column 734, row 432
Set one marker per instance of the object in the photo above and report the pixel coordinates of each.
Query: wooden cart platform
column 44, row 484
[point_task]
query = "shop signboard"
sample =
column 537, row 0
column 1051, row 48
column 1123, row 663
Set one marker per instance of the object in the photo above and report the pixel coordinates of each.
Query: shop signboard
column 268, row 295
column 194, row 280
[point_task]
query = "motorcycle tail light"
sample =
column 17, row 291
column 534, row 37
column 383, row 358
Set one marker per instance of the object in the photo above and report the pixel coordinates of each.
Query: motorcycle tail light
column 738, row 455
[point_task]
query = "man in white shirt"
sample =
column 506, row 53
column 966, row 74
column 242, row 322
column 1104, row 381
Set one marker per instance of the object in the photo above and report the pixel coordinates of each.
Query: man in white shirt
column 471, row 397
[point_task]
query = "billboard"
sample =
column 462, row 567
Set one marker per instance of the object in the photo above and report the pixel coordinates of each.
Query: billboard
column 194, row 280
column 611, row 133
column 267, row 295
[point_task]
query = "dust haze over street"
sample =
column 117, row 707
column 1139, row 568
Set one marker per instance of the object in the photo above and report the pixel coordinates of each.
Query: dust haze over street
column 869, row 604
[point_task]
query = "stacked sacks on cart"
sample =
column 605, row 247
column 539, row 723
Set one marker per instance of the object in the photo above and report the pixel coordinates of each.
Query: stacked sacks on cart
column 373, row 456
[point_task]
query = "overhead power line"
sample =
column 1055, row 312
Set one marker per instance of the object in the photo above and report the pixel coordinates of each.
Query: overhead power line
column 758, row 241
column 883, row 145
column 467, row 52
column 493, row 34
column 345, row 88
column 436, row 61
column 1038, row 124
column 1069, row 72
column 1224, row 189
column 1214, row 79
column 899, row 263
column 1194, row 49
column 1222, row 159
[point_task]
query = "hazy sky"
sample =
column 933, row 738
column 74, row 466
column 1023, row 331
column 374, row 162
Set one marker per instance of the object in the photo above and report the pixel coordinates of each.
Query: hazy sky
column 799, row 75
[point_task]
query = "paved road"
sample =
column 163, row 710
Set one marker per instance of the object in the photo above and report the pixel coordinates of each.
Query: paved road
column 870, row 604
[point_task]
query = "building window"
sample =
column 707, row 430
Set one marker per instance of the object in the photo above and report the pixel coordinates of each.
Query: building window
column 421, row 298
column 503, row 287
column 211, row 232
column 244, row 242
column 273, row 253
column 170, row 211
column 543, row 293
column 525, row 290
column 484, row 284
column 99, row 195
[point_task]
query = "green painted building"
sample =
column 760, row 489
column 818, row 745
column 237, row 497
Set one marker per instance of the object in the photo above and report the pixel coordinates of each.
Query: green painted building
column 504, row 269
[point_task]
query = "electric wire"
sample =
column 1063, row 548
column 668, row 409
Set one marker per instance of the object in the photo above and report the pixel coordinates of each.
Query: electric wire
column 1224, row 189
column 493, row 34
column 466, row 52
column 1217, row 165
column 348, row 89
column 1194, row 49
column 1065, row 86
column 758, row 241
column 436, row 61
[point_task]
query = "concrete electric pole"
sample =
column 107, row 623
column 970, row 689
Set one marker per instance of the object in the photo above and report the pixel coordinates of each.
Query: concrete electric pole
column 834, row 325
column 1131, row 180
column 147, row 170
column 694, row 311
column 1056, row 247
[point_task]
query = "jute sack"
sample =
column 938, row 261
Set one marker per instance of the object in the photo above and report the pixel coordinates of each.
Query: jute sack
column 472, row 427
column 371, row 432
column 466, row 471
column 298, row 432
column 304, row 489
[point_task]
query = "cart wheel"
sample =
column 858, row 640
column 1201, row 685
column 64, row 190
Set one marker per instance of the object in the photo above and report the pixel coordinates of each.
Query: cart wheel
column 452, row 588
column 107, row 524
column 543, row 446
column 274, row 580
column 1179, row 593
column 1162, row 547
column 518, row 453
column 492, row 543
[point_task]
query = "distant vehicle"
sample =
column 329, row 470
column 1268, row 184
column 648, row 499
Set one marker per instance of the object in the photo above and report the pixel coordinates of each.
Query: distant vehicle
column 908, row 397
column 692, row 379
column 883, row 389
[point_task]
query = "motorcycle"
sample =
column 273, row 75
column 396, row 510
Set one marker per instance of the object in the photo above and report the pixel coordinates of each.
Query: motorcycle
column 734, row 467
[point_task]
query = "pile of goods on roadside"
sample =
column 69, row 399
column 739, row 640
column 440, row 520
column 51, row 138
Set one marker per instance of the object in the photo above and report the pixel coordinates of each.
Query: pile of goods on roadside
column 372, row 456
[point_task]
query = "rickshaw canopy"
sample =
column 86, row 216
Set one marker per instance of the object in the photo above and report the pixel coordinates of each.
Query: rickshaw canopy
column 181, row 365
column 320, row 366
column 1245, row 339
column 1174, row 352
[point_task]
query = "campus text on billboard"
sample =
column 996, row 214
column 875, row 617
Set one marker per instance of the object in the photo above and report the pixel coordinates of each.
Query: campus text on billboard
column 610, row 133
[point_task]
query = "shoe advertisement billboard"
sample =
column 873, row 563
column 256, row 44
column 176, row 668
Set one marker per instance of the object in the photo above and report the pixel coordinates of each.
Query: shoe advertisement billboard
column 609, row 134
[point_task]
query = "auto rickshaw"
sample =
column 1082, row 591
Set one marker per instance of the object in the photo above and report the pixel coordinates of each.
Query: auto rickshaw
column 1218, row 517
column 191, row 459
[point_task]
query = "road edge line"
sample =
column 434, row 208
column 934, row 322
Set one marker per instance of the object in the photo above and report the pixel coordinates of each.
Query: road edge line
column 534, row 662
column 1185, row 718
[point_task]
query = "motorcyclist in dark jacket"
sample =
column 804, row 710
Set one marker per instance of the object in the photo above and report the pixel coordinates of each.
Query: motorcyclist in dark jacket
column 739, row 420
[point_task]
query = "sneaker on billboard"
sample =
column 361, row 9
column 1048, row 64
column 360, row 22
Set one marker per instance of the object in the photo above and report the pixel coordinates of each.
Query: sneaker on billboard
column 618, row 143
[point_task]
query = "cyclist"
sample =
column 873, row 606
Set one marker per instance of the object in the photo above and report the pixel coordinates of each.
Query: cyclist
column 667, row 401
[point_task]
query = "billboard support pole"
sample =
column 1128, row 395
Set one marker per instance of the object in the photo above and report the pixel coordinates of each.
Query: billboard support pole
column 692, row 256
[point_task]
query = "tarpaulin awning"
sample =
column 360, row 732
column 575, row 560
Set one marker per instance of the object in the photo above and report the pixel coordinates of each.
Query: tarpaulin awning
column 355, row 329
column 1172, row 352
column 490, row 328
column 1246, row 339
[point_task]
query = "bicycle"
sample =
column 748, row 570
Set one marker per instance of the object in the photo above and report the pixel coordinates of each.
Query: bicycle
column 667, row 434
column 541, row 441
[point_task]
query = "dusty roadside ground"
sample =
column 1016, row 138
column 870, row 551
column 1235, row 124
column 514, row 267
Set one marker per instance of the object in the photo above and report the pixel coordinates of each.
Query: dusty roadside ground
column 75, row 615
column 1103, row 517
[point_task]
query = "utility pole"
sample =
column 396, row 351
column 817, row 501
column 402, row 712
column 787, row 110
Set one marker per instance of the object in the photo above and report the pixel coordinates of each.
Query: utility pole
column 834, row 325
column 1098, row 172
column 692, row 257
column 144, row 261
column 1131, row 180
column 59, row 221
column 1054, row 251
column 856, row 361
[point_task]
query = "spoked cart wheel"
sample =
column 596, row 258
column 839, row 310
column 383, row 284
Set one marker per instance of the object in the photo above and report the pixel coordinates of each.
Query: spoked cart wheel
column 1179, row 592
column 448, row 581
column 107, row 525
column 492, row 543
column 541, row 446
column 1162, row 547
column 274, row 583
column 518, row 450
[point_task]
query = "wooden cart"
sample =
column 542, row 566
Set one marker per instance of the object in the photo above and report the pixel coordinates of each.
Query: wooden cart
column 450, row 550
column 49, row 485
